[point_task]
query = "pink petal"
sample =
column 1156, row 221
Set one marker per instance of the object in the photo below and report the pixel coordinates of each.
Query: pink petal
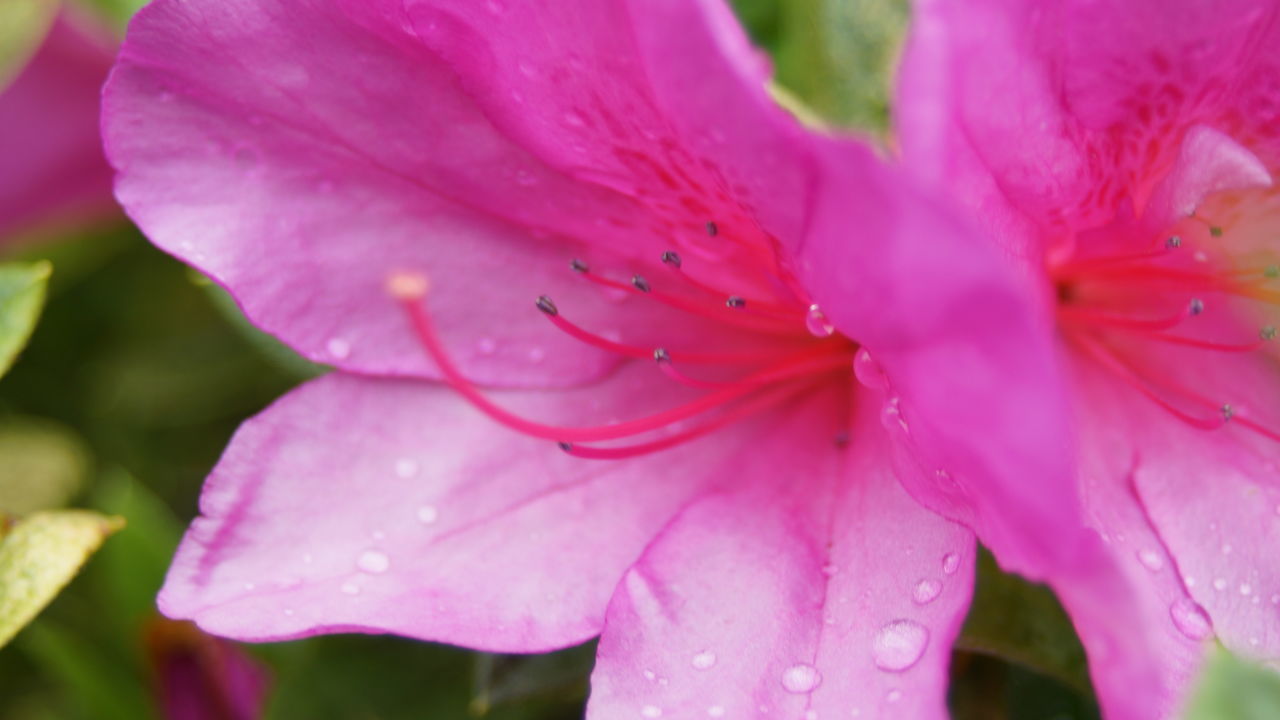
column 53, row 171
column 389, row 506
column 198, row 677
column 1208, row 162
column 486, row 145
column 830, row 592
column 963, row 344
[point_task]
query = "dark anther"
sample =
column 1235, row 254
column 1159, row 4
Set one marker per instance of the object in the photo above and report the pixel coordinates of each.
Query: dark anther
column 545, row 305
column 1228, row 412
column 1196, row 307
column 1271, row 271
column 1215, row 231
column 567, row 447
column 671, row 258
column 713, row 229
column 735, row 302
column 1173, row 242
column 1268, row 332
column 578, row 266
column 641, row 284
column 661, row 355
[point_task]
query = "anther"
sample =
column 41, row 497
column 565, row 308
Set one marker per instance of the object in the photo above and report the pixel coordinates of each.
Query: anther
column 1196, row 306
column 661, row 355
column 735, row 302
column 640, row 283
column 671, row 258
column 1228, row 412
column 545, row 305
column 407, row 285
column 1268, row 333
column 713, row 229
column 567, row 447
column 578, row 266
column 1215, row 231
column 1173, row 242
column 1271, row 271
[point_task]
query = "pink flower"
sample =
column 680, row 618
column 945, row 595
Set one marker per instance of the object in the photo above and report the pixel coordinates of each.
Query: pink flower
column 389, row 186
column 53, row 171
column 1124, row 152
column 198, row 677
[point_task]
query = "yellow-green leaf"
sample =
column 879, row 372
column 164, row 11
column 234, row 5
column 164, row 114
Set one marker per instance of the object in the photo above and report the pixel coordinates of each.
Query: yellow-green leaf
column 39, row 555
column 1234, row 689
column 23, row 25
column 42, row 465
column 22, row 292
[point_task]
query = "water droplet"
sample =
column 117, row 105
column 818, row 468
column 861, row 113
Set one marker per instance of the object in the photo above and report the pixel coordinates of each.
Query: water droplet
column 339, row 348
column 288, row 612
column 1151, row 560
column 537, row 355
column 373, row 562
column 487, row 346
column 800, row 679
column 715, row 711
column 1275, row 599
column 817, row 324
column 891, row 417
column 926, row 591
column 869, row 372
column 810, row 715
column 650, row 675
column 350, row 588
column 899, row 645
column 524, row 178
column 950, row 563
column 427, row 514
column 1190, row 619
column 1246, row 589
column 1220, row 584
column 704, row 660
column 893, row 696
column 573, row 118
column 1226, row 548
column 406, row 468
column 651, row 711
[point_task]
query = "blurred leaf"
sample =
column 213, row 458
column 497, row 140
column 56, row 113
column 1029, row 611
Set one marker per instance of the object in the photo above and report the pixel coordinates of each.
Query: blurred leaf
column 838, row 57
column 117, row 11
column 42, row 465
column 1023, row 623
column 97, row 686
column 39, row 555
column 1233, row 689
column 504, row 679
column 23, row 25
column 22, row 290
column 131, row 568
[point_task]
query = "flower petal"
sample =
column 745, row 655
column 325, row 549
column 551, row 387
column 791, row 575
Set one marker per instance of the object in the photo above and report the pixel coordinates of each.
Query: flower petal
column 822, row 587
column 391, row 506
column 53, row 166
column 301, row 162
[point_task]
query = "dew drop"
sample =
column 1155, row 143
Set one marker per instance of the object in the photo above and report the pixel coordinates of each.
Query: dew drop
column 1246, row 589
column 926, row 591
column 1220, row 584
column 704, row 660
column 651, row 711
column 899, row 645
column 893, row 696
column 800, row 679
column 1190, row 619
column 537, row 355
column 574, row 119
column 350, row 588
column 950, row 563
column 427, row 514
column 487, row 346
column 891, row 417
column 1151, row 560
column 810, row 715
column 339, row 348
column 869, row 372
column 817, row 324
column 406, row 468
column 373, row 562
column 715, row 711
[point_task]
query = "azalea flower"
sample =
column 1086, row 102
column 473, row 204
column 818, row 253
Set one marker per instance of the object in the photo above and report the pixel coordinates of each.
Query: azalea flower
column 1124, row 153
column 54, row 171
column 622, row 350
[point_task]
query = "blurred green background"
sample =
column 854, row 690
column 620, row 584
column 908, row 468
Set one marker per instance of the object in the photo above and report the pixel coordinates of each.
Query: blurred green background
column 139, row 371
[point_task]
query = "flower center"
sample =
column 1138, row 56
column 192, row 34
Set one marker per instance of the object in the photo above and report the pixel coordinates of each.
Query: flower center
column 1203, row 289
column 798, row 352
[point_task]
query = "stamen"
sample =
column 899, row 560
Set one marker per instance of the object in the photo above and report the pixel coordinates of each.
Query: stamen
column 640, row 283
column 545, row 304
column 671, row 258
column 1196, row 306
column 1268, row 333
column 1173, row 243
column 579, row 266
column 735, row 302
column 713, row 229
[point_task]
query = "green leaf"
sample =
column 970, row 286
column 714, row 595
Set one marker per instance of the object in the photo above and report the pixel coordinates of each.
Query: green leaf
column 509, row 679
column 1231, row 688
column 39, row 555
column 271, row 349
column 23, row 25
column 87, row 676
column 118, row 11
column 42, row 465
column 22, row 292
column 1023, row 623
column 838, row 57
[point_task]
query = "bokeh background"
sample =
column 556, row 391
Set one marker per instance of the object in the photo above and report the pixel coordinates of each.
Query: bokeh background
column 139, row 370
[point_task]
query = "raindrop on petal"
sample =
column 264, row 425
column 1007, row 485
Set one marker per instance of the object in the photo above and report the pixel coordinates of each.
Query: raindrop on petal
column 800, row 679
column 899, row 645
column 926, row 591
column 704, row 660
column 1151, row 560
column 427, row 514
column 868, row 371
column 950, row 563
column 1190, row 619
column 817, row 324
column 373, row 562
